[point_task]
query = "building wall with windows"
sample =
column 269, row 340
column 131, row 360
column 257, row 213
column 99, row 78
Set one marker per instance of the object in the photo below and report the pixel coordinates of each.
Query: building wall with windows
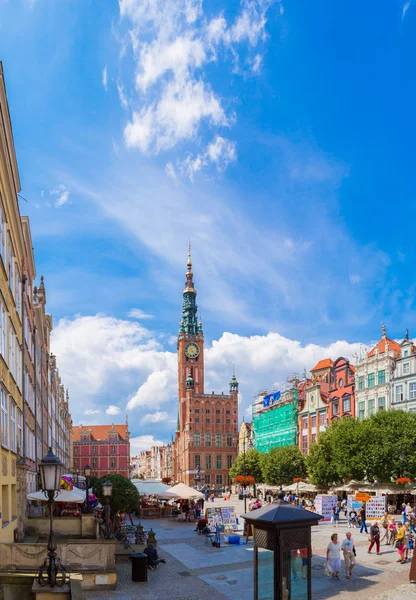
column 404, row 381
column 24, row 350
column 11, row 380
column 245, row 437
column 207, row 428
column 341, row 390
column 313, row 414
column 374, row 377
column 105, row 448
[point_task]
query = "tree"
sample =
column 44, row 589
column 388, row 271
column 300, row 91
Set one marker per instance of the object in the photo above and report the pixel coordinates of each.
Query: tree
column 281, row 465
column 349, row 449
column 320, row 465
column 390, row 437
column 124, row 496
column 253, row 465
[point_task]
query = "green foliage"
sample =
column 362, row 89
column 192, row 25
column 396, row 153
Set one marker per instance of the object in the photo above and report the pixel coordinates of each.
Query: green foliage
column 124, row 497
column 319, row 462
column 253, row 465
column 376, row 449
column 390, row 439
column 282, row 464
column 349, row 449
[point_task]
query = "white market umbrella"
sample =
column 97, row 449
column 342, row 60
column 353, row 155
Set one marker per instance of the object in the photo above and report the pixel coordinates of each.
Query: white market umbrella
column 63, row 496
column 152, row 487
column 185, row 492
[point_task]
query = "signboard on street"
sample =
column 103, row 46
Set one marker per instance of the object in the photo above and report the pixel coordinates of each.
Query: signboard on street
column 362, row 497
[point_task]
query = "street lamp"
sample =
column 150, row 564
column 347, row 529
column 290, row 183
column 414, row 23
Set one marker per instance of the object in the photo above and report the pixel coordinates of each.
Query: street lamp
column 51, row 470
column 77, row 472
column 87, row 473
column 107, row 491
column 250, row 447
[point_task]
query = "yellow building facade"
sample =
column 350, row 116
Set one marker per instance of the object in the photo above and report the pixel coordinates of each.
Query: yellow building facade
column 11, row 377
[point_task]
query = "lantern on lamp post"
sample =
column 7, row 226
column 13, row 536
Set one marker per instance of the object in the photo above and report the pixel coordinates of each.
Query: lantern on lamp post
column 51, row 470
column 281, row 529
column 107, row 491
column 87, row 473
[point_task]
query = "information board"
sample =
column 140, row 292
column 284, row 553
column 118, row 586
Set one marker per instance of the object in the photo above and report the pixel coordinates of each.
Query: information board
column 229, row 519
column 324, row 505
column 376, row 507
column 222, row 516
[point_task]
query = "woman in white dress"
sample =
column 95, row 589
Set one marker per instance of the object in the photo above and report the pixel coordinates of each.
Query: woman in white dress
column 333, row 555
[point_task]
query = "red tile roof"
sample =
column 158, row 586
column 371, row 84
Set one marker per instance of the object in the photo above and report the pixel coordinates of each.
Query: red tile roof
column 98, row 432
column 323, row 364
column 382, row 347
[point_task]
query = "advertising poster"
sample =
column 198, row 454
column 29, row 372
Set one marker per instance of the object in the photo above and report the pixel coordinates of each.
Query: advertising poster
column 324, row 505
column 353, row 503
column 376, row 507
column 213, row 516
column 229, row 519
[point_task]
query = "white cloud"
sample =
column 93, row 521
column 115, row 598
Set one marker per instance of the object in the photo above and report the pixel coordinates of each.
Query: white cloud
column 97, row 354
column 219, row 152
column 406, row 7
column 159, row 388
column 143, row 442
column 176, row 116
column 92, row 411
column 105, row 78
column 170, row 170
column 122, row 95
column 60, row 196
column 172, row 42
column 354, row 278
column 157, row 417
column 141, row 315
column 257, row 63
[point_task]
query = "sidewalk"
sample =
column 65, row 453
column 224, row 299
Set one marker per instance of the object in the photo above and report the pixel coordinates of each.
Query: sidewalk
column 196, row 571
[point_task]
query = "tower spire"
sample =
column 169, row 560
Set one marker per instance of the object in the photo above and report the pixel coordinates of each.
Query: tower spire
column 189, row 322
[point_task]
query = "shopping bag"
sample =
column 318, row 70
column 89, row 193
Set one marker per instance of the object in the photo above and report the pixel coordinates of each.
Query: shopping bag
column 328, row 569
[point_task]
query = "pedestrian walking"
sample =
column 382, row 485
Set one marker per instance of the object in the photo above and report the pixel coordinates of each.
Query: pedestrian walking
column 344, row 507
column 408, row 540
column 362, row 519
column 404, row 515
column 374, row 538
column 385, row 528
column 399, row 544
column 335, row 513
column 392, row 532
column 304, row 555
column 333, row 555
column 348, row 549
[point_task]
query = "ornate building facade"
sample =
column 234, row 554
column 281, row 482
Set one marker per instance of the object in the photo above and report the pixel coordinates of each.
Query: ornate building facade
column 374, row 377
column 104, row 448
column 32, row 417
column 207, row 430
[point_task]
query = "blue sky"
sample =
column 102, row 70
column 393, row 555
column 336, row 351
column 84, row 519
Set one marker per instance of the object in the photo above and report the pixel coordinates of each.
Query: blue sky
column 277, row 136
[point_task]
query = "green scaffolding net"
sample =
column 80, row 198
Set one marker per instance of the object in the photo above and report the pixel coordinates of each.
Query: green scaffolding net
column 276, row 426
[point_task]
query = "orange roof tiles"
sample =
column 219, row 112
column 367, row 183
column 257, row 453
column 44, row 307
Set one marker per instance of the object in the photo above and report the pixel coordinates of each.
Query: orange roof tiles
column 323, row 364
column 99, row 432
column 382, row 347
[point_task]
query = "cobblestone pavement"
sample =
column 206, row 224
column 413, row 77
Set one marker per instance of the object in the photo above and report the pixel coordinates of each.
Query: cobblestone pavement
column 196, row 571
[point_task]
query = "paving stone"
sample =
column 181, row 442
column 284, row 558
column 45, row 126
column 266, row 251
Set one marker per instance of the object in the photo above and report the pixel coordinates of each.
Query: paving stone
column 196, row 571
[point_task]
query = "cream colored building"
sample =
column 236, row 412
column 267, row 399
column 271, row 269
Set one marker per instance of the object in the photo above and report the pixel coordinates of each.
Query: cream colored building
column 31, row 404
column 245, row 437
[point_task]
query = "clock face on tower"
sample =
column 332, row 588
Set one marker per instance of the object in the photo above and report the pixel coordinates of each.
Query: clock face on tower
column 192, row 350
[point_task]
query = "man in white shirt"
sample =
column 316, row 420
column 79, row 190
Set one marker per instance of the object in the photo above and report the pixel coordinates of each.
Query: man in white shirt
column 347, row 547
